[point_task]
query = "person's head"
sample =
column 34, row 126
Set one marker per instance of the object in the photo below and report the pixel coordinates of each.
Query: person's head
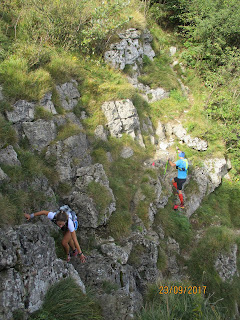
column 61, row 218
column 181, row 155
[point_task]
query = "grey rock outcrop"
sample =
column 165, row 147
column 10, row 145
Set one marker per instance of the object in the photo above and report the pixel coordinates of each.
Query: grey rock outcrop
column 117, row 253
column 194, row 143
column 122, row 117
column 144, row 256
column 28, row 266
column 68, row 94
column 114, row 283
column 40, row 133
column 22, row 111
column 3, row 176
column 127, row 152
column 100, row 133
column 172, row 251
column 9, row 156
column 1, row 94
column 226, row 264
column 130, row 49
column 47, row 104
column 70, row 154
column 90, row 213
column 216, row 168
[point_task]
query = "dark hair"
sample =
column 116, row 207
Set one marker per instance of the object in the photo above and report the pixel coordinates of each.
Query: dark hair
column 62, row 216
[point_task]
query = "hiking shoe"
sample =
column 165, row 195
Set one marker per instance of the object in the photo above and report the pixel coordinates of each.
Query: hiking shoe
column 74, row 253
column 68, row 257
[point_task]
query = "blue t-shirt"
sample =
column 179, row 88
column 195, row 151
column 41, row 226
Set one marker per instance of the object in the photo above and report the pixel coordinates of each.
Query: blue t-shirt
column 181, row 164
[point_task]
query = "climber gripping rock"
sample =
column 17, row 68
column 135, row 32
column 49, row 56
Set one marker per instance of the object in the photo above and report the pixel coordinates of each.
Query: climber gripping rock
column 65, row 219
column 182, row 167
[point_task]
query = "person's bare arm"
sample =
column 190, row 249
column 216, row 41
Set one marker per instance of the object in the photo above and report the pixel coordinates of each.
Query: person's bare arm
column 39, row 213
column 172, row 164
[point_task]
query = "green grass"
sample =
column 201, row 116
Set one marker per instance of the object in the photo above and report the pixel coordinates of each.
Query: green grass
column 174, row 224
column 201, row 266
column 177, row 306
column 65, row 301
column 67, row 130
column 158, row 73
column 100, row 195
column 7, row 133
column 217, row 207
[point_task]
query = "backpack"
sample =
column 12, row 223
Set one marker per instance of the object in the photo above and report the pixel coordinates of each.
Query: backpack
column 72, row 214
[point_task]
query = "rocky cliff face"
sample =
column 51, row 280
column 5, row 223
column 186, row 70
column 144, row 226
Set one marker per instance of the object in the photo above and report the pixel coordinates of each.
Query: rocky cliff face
column 29, row 265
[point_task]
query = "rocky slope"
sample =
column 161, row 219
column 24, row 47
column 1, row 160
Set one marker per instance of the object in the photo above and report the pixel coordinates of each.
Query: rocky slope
column 28, row 261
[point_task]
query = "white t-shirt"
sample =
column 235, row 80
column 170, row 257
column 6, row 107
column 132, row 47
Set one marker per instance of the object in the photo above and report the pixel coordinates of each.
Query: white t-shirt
column 71, row 228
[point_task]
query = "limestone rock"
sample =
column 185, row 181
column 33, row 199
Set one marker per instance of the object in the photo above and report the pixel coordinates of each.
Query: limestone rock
column 144, row 256
column 172, row 51
column 40, row 133
column 127, row 152
column 194, row 143
column 117, row 253
column 9, row 156
column 172, row 251
column 130, row 49
column 47, row 104
column 122, row 117
column 68, row 94
column 226, row 264
column 100, row 133
column 28, row 267
column 112, row 282
column 70, row 154
column 22, row 111
column 216, row 168
column 3, row 176
column 1, row 94
column 90, row 213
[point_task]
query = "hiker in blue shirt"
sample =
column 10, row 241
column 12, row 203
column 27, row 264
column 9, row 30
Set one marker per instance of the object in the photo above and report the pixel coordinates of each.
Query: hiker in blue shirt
column 182, row 166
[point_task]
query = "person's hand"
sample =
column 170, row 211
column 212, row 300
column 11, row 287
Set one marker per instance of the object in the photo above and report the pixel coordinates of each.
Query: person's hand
column 82, row 258
column 27, row 216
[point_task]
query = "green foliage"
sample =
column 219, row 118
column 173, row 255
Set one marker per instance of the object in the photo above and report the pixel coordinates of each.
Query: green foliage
column 175, row 225
column 158, row 73
column 24, row 84
column 71, row 24
column 65, row 301
column 68, row 130
column 7, row 133
column 201, row 265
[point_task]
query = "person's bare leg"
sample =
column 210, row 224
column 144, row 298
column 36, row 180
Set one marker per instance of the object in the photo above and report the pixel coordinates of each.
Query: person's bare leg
column 65, row 241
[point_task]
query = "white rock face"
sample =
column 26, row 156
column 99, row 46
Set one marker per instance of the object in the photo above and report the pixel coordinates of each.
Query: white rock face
column 32, row 248
column 68, row 94
column 22, row 111
column 47, row 104
column 40, row 133
column 226, row 264
column 122, row 117
column 9, row 156
column 194, row 143
column 130, row 49
column 89, row 213
column 217, row 168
